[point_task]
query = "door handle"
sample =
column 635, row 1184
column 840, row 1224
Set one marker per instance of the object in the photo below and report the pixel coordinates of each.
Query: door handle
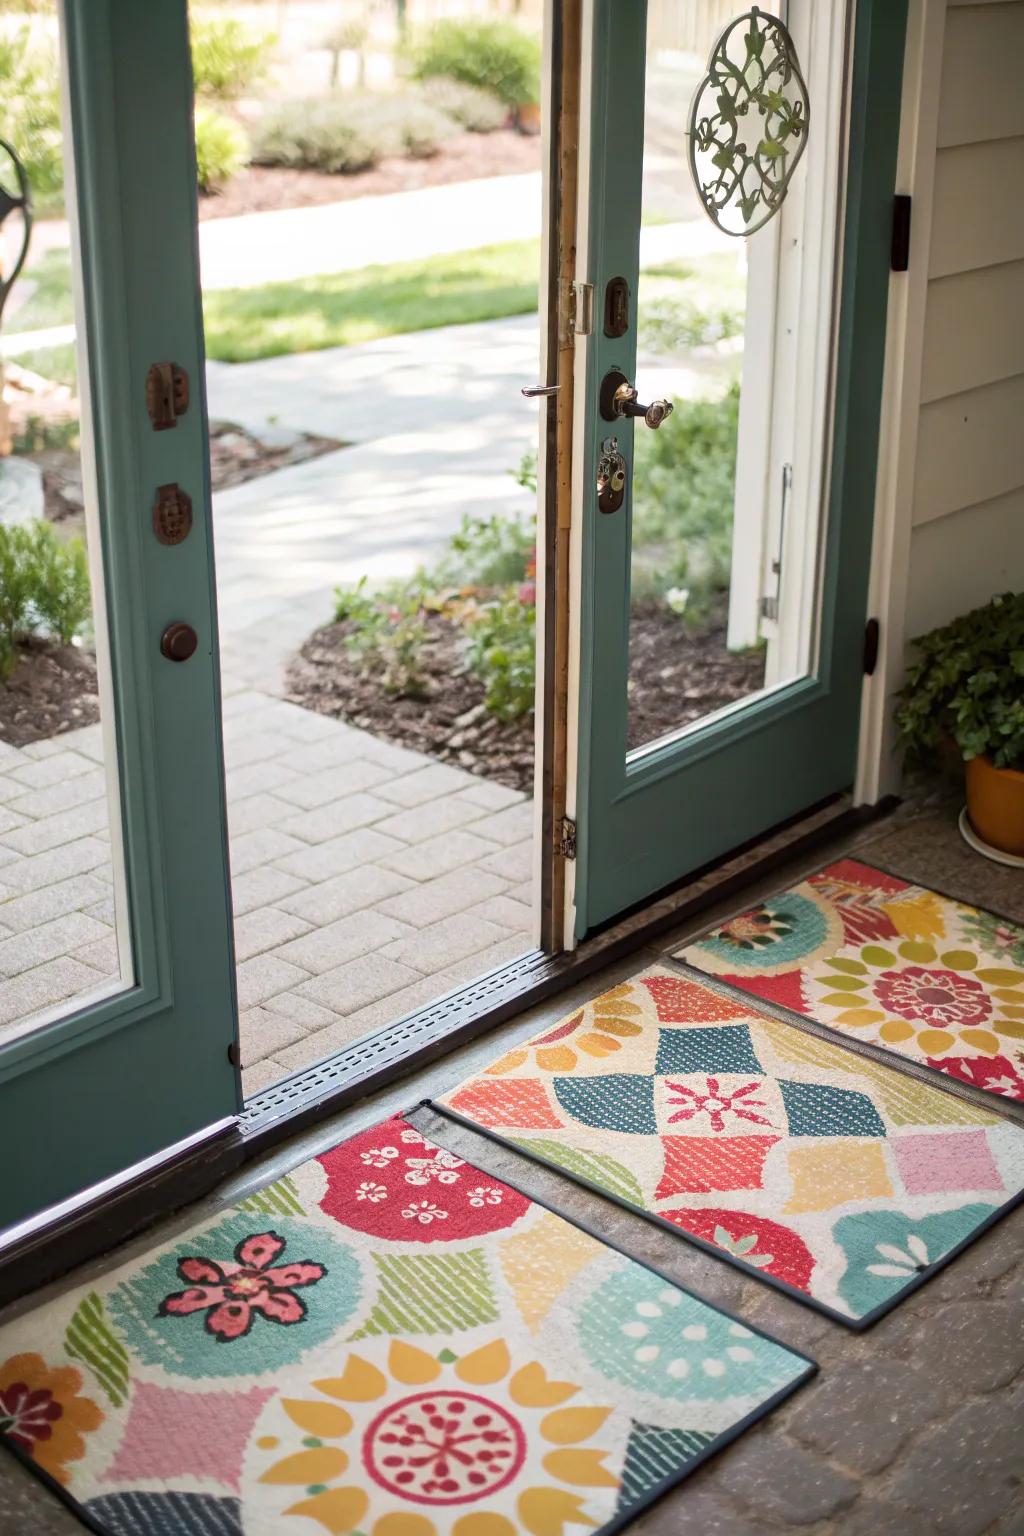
column 619, row 400
column 532, row 391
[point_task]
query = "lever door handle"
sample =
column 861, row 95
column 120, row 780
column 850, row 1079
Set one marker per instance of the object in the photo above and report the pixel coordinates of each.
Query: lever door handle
column 619, row 400
column 532, row 391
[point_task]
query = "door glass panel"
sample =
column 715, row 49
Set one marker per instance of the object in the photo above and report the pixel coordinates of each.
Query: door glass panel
column 735, row 332
column 63, row 926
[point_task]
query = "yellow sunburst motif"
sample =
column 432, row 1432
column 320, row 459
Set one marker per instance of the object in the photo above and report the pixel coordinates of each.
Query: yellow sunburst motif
column 451, row 1437
column 913, row 991
column 612, row 1019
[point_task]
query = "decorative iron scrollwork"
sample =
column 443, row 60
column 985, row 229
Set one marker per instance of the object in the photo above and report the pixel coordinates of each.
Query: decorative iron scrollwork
column 748, row 123
column 19, row 201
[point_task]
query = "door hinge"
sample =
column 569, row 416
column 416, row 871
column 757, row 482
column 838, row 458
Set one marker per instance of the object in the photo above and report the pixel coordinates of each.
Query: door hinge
column 872, row 634
column 577, row 318
column 567, row 840
column 899, row 258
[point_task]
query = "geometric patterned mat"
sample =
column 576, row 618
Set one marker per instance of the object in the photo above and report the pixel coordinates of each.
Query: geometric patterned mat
column 883, row 961
column 815, row 1169
column 386, row 1341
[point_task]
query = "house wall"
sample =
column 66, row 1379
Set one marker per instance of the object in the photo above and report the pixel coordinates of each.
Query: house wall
column 949, row 512
column 967, row 508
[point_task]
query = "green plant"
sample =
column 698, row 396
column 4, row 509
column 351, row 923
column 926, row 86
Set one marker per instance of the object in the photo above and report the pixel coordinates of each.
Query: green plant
column 967, row 681
column 501, row 650
column 408, row 124
column 488, row 552
column 347, row 37
column 30, row 114
column 472, row 107
column 228, row 58
column 41, row 432
column 683, row 489
column 492, row 54
column 44, row 584
column 387, row 636
column 331, row 134
column 222, row 149
column 669, row 325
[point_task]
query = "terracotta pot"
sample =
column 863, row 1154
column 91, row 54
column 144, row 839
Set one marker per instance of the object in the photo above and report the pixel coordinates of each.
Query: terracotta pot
column 995, row 804
column 528, row 118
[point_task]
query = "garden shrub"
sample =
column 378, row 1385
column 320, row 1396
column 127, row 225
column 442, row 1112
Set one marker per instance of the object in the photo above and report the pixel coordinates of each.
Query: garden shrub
column 388, row 635
column 488, row 552
column 669, row 325
column 30, row 115
column 222, row 149
column 470, row 106
column 352, row 132
column 683, row 489
column 44, row 585
column 331, row 134
column 494, row 55
column 228, row 58
column 502, row 651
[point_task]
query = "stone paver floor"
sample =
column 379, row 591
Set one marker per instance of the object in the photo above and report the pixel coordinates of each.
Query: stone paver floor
column 367, row 879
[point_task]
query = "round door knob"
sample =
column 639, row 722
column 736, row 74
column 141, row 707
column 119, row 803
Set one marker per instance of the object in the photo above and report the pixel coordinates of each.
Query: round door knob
column 178, row 642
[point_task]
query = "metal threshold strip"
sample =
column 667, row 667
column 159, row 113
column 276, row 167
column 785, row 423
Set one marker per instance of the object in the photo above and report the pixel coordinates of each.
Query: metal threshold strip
column 59, row 1239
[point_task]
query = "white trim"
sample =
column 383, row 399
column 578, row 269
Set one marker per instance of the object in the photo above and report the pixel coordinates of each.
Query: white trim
column 579, row 466
column 878, row 769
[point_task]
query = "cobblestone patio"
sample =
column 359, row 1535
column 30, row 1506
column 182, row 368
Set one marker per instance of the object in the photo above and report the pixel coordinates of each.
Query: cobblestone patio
column 367, row 879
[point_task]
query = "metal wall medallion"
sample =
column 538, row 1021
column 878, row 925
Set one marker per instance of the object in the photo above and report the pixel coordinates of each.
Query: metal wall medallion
column 748, row 123
column 17, row 201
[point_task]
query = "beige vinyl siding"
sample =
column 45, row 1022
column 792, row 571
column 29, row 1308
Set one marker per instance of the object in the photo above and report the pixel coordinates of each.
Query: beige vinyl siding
column 967, row 540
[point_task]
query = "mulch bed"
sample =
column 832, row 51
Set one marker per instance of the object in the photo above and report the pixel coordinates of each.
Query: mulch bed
column 52, row 690
column 678, row 673
column 263, row 188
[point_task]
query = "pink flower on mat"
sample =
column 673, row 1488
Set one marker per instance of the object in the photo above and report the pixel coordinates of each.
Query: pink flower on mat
column 232, row 1293
column 716, row 1103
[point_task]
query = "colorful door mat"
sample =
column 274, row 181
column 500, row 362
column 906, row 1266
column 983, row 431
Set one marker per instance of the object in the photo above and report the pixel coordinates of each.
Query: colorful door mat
column 386, row 1342
column 828, row 1175
column 893, row 964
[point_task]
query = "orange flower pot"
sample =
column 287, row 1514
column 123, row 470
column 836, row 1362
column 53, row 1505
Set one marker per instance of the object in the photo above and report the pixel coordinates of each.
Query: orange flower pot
column 995, row 804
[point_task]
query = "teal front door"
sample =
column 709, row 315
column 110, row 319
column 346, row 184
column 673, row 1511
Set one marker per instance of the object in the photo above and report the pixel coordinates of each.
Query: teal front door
column 722, row 552
column 116, row 972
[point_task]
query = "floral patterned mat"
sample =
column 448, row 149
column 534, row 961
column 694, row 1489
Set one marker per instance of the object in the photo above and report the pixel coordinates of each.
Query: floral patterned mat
column 829, row 1175
column 894, row 964
column 386, row 1342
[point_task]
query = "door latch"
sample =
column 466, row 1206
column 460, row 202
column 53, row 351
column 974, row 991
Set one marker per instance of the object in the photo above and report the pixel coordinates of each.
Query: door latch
column 611, row 477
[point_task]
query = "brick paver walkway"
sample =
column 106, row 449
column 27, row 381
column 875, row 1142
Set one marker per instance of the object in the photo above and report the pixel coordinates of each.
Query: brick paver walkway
column 367, row 879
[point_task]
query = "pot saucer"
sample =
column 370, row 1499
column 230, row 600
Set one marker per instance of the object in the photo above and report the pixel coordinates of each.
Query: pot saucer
column 971, row 838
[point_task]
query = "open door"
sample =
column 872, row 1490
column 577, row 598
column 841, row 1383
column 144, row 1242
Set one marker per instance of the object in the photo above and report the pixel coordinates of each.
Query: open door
column 115, row 1052
column 720, row 592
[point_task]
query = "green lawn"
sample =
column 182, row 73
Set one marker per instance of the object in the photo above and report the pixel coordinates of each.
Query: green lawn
column 341, row 308
column 50, row 301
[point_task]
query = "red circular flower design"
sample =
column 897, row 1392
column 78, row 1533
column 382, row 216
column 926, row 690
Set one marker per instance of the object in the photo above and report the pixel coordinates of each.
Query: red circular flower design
column 754, row 1240
column 26, row 1415
column 933, row 997
column 393, row 1184
column 443, row 1447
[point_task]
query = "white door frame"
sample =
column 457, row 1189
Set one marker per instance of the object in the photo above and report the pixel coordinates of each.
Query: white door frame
column 878, row 765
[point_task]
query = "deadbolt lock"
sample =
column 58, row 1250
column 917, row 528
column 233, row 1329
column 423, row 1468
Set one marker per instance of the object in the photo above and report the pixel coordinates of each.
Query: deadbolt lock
column 611, row 477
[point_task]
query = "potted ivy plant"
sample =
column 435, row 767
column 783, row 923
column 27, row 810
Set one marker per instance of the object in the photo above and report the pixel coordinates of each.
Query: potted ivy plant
column 966, row 684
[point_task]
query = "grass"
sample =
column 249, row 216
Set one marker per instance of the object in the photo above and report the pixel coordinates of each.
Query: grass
column 50, row 301
column 341, row 308
column 57, row 363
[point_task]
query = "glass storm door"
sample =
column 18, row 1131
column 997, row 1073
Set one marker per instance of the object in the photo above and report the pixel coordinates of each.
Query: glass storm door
column 116, row 971
column 721, row 552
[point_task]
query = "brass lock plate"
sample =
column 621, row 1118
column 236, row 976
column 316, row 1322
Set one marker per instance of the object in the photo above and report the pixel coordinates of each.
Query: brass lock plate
column 172, row 514
column 611, row 477
column 166, row 395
